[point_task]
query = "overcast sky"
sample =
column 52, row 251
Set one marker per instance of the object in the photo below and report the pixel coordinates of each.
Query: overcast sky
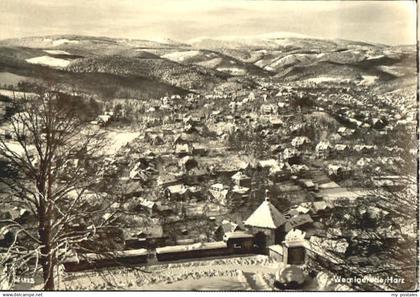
column 389, row 22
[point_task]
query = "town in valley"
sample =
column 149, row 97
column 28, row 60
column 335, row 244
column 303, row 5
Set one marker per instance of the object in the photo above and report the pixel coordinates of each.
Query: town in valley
column 273, row 163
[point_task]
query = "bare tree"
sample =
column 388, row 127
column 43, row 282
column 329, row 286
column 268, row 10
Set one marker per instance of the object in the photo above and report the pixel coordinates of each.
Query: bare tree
column 51, row 172
column 373, row 229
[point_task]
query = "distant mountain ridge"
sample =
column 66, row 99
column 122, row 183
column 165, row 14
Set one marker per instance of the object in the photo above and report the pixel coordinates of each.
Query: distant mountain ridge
column 200, row 64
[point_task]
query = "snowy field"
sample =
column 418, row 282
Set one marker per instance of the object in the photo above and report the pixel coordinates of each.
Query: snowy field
column 181, row 56
column 8, row 78
column 49, row 61
column 118, row 139
column 61, row 41
column 56, row 52
column 322, row 79
column 368, row 79
column 232, row 70
column 16, row 94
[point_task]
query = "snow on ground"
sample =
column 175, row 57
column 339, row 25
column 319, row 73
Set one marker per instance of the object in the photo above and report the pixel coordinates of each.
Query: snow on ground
column 333, row 194
column 324, row 79
column 19, row 150
column 161, row 39
column 118, row 139
column 16, row 148
column 56, row 52
column 258, row 37
column 64, row 41
column 374, row 57
column 232, row 70
column 48, row 61
column 181, row 56
column 293, row 59
column 368, row 79
column 204, row 284
column 211, row 63
column 230, row 273
column 210, row 55
column 8, row 78
column 394, row 70
column 16, row 94
column 276, row 35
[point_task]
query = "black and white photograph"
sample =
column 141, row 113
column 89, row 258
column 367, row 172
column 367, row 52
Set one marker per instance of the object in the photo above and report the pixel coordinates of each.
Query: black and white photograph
column 208, row 145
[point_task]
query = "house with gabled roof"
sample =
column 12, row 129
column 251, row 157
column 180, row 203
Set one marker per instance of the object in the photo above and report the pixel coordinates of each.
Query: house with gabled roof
column 279, row 172
column 166, row 180
column 292, row 156
column 340, row 150
column 154, row 139
column 241, row 179
column 150, row 206
column 180, row 139
column 183, row 149
column 269, row 109
column 300, row 221
column 138, row 174
column 220, row 193
column 301, row 142
column 225, row 227
column 177, row 192
column 132, row 189
column 323, row 149
column 187, row 163
column 345, row 132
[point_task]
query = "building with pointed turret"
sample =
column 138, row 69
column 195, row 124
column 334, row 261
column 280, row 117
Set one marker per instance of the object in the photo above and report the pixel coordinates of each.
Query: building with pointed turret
column 267, row 224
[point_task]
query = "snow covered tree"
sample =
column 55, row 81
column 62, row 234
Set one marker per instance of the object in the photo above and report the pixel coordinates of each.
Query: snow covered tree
column 50, row 162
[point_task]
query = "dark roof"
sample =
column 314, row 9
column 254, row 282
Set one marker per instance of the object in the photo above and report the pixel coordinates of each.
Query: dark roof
column 228, row 226
column 297, row 221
